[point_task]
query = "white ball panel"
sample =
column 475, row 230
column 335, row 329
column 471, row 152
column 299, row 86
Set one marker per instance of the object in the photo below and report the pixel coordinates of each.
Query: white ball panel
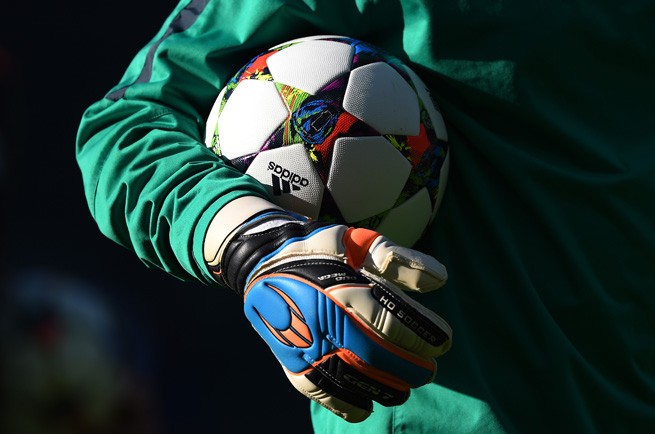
column 366, row 176
column 290, row 177
column 210, row 126
column 406, row 223
column 379, row 96
column 310, row 65
column 307, row 38
column 251, row 114
column 435, row 115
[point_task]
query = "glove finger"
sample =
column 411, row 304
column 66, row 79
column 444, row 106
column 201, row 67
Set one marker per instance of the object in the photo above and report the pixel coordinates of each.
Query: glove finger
column 397, row 318
column 349, row 406
column 342, row 387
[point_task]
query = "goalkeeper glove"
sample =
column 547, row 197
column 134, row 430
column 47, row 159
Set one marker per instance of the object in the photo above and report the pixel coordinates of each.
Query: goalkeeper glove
column 327, row 300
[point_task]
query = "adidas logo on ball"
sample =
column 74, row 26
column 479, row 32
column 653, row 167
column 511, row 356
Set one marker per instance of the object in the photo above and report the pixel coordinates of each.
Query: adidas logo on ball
column 284, row 181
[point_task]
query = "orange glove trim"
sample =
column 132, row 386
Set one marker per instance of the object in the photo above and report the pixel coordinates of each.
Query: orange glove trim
column 357, row 242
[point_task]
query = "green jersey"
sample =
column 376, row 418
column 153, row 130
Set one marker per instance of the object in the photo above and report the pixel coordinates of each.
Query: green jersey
column 546, row 226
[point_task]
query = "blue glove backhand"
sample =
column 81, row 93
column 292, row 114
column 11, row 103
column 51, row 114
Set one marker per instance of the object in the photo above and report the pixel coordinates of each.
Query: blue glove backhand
column 327, row 300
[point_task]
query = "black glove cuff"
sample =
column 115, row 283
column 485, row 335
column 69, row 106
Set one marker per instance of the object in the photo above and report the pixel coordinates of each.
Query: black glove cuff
column 247, row 249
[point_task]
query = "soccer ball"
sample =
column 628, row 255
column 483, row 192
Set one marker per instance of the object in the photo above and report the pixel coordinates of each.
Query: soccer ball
column 337, row 130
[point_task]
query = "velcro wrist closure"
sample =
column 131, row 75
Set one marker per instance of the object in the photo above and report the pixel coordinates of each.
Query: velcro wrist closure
column 226, row 222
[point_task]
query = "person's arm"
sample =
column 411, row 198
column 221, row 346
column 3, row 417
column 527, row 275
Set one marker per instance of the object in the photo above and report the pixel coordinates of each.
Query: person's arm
column 150, row 182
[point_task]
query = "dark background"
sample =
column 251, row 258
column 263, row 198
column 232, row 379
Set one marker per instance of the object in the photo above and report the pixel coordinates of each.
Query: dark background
column 182, row 355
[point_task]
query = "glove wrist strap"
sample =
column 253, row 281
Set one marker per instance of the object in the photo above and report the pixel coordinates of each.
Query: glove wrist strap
column 256, row 241
column 227, row 220
column 241, row 218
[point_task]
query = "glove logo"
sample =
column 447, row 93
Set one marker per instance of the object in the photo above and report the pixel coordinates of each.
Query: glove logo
column 297, row 334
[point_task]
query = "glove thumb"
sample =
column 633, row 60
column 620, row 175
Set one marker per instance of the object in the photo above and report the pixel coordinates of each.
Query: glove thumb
column 379, row 257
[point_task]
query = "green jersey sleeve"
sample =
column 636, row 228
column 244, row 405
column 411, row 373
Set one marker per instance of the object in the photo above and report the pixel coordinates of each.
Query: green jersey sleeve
column 150, row 182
